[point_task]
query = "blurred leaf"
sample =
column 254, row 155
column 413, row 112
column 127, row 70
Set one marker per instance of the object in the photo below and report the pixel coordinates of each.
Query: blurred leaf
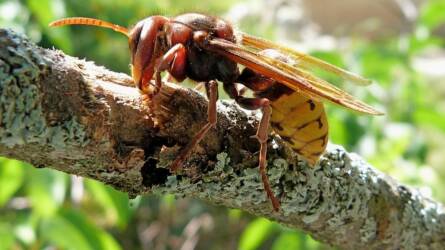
column 114, row 203
column 168, row 201
column 70, row 229
column 432, row 14
column 44, row 11
column 380, row 60
column 287, row 240
column 310, row 243
column 354, row 129
column 235, row 215
column 46, row 189
column 62, row 233
column 170, row 7
column 337, row 130
column 11, row 178
column 430, row 117
column 344, row 128
column 419, row 41
column 97, row 237
column 6, row 236
column 255, row 234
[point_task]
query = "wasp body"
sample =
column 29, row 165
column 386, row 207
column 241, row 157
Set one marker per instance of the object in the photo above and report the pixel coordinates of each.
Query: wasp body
column 207, row 49
column 299, row 120
column 302, row 123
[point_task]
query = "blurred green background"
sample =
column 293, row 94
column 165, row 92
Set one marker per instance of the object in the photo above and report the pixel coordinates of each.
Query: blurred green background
column 398, row 44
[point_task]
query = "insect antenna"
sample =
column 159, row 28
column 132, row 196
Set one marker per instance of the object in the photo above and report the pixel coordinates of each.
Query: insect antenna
column 90, row 22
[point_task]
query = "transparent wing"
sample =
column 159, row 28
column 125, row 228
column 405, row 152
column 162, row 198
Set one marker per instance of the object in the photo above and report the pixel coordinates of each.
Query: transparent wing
column 303, row 59
column 289, row 75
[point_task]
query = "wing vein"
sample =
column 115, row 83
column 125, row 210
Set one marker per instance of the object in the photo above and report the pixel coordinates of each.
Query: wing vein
column 291, row 76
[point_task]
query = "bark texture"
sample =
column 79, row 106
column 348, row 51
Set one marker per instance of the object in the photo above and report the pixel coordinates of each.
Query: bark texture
column 67, row 114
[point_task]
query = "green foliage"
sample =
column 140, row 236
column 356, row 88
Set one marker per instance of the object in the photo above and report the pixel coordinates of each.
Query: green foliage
column 11, row 178
column 432, row 14
column 115, row 204
column 255, row 234
column 43, row 209
column 45, row 12
column 70, row 229
column 287, row 240
column 6, row 236
column 46, row 190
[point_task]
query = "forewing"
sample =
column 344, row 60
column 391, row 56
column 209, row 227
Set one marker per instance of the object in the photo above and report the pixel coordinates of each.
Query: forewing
column 288, row 75
column 302, row 58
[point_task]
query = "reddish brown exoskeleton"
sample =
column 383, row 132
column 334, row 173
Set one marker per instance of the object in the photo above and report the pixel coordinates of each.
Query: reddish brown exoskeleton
column 206, row 49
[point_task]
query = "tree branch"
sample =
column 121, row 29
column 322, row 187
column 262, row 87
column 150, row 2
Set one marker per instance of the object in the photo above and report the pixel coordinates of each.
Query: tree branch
column 68, row 114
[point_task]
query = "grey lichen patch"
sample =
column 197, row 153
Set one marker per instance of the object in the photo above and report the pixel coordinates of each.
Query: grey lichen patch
column 421, row 219
column 67, row 133
column 243, row 187
column 368, row 230
column 21, row 115
column 337, row 187
column 224, row 184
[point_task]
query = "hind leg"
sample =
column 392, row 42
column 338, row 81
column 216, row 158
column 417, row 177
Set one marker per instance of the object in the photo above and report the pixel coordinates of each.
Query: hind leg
column 261, row 135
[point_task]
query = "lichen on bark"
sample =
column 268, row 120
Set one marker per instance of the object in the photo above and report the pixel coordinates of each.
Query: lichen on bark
column 21, row 115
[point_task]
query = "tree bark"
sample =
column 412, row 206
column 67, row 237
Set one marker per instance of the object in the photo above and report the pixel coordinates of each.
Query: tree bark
column 68, row 114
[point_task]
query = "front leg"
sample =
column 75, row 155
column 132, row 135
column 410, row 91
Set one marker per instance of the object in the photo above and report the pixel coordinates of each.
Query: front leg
column 174, row 61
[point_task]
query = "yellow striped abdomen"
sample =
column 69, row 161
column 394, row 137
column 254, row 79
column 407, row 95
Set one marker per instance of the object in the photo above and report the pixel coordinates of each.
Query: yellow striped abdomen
column 302, row 123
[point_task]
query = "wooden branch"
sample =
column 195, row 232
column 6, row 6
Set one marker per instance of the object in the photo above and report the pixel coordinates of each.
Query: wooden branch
column 68, row 114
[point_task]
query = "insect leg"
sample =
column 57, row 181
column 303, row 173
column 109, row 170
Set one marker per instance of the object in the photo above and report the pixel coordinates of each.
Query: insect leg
column 174, row 61
column 212, row 94
column 261, row 135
